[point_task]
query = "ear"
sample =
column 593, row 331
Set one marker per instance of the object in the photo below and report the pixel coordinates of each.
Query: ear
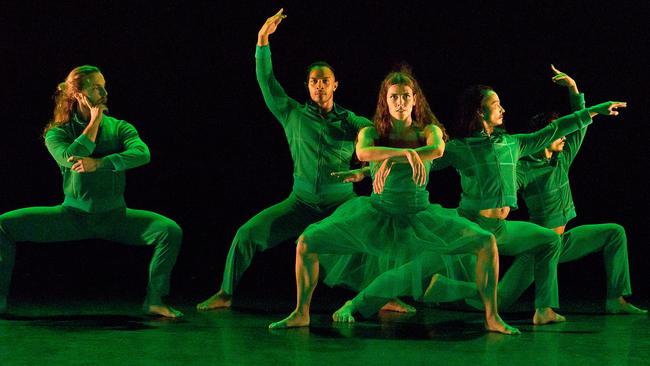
column 336, row 85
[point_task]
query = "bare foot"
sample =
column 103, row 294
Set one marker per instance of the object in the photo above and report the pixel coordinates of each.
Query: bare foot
column 294, row 320
column 546, row 316
column 218, row 300
column 398, row 306
column 344, row 313
column 162, row 310
column 497, row 325
column 620, row 306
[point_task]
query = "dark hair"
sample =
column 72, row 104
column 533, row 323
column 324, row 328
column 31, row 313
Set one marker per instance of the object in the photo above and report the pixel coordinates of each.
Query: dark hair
column 64, row 100
column 423, row 114
column 541, row 120
column 318, row 64
column 469, row 107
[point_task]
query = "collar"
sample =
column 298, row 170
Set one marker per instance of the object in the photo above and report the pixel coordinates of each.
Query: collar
column 336, row 109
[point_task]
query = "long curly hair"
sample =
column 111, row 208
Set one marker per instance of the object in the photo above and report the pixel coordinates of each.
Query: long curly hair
column 64, row 100
column 423, row 114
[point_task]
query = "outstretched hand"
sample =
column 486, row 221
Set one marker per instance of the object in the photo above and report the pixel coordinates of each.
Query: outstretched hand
column 607, row 108
column 562, row 79
column 269, row 27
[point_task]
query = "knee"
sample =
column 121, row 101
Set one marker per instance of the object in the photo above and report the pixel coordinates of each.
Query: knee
column 489, row 244
column 302, row 248
column 617, row 234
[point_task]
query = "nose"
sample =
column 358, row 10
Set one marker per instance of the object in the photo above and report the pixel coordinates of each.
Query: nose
column 103, row 92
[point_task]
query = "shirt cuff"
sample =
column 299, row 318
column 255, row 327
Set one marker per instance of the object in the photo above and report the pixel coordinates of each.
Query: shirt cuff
column 84, row 141
column 263, row 51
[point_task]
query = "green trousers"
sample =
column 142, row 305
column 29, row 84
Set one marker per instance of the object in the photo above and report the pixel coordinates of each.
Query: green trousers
column 576, row 243
column 123, row 225
column 269, row 228
column 526, row 240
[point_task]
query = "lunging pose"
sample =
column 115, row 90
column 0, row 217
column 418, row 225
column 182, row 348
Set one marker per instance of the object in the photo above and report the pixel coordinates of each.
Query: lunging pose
column 93, row 151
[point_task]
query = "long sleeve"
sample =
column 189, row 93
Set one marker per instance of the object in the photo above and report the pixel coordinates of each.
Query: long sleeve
column 574, row 140
column 62, row 146
column 276, row 99
column 136, row 152
column 530, row 143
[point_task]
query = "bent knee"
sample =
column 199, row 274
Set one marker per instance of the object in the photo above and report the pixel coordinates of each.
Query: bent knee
column 302, row 247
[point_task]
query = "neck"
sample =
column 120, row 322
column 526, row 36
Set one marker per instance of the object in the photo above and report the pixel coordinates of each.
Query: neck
column 325, row 107
column 400, row 125
column 488, row 128
column 84, row 113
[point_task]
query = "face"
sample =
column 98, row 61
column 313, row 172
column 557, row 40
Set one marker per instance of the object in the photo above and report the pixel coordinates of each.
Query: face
column 400, row 100
column 491, row 110
column 557, row 145
column 321, row 84
column 94, row 88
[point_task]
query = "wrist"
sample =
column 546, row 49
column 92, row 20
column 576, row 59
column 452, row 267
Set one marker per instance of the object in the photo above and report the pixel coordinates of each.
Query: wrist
column 262, row 39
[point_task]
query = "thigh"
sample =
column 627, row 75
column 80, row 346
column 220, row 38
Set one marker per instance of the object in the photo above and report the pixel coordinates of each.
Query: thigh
column 136, row 227
column 45, row 224
column 586, row 239
column 280, row 222
column 521, row 236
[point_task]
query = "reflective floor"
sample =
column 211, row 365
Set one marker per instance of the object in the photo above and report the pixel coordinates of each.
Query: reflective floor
column 87, row 332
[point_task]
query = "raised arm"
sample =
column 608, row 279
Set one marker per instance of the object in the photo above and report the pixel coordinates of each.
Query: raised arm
column 276, row 99
column 577, row 102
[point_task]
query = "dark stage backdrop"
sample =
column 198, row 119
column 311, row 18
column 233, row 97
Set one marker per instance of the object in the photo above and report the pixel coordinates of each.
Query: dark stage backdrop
column 184, row 76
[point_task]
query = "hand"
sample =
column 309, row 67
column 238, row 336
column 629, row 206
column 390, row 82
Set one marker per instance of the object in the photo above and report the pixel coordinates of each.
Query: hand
column 419, row 171
column 269, row 27
column 95, row 110
column 84, row 164
column 563, row 79
column 349, row 176
column 380, row 176
column 607, row 108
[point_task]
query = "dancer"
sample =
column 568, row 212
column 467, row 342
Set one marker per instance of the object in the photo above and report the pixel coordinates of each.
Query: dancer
column 544, row 184
column 485, row 156
column 93, row 151
column 321, row 138
column 398, row 227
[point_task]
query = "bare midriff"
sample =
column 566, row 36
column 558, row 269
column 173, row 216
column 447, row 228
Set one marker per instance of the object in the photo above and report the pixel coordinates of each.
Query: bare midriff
column 495, row 213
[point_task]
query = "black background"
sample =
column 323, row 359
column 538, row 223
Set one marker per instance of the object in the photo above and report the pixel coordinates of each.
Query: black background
column 183, row 74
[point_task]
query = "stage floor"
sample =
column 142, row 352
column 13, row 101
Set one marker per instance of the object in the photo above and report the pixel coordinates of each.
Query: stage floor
column 91, row 332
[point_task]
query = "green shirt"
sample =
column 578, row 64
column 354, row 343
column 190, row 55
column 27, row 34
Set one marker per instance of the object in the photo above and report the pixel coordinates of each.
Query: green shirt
column 488, row 164
column 319, row 144
column 120, row 148
column 544, row 183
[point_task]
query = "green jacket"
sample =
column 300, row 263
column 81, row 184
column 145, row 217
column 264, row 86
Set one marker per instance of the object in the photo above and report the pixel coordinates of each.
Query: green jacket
column 488, row 164
column 119, row 147
column 319, row 145
column 544, row 183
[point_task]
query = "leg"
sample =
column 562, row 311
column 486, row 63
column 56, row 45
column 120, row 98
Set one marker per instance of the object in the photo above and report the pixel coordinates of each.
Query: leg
column 306, row 281
column 519, row 276
column 524, row 238
column 36, row 224
column 272, row 226
column 487, row 278
column 138, row 227
column 610, row 238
